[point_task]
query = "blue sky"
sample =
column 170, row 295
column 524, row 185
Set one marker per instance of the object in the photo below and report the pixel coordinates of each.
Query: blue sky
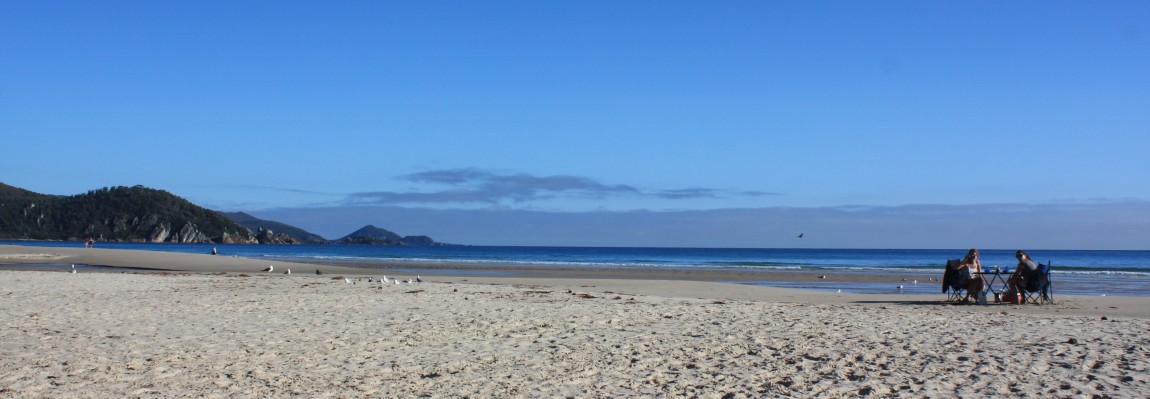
column 638, row 121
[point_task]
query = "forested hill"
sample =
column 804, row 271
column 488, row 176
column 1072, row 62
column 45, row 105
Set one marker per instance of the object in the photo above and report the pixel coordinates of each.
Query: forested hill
column 131, row 214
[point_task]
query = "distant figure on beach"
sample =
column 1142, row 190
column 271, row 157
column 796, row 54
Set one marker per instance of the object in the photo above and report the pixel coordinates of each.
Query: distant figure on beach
column 969, row 272
column 90, row 243
column 1026, row 268
column 214, row 252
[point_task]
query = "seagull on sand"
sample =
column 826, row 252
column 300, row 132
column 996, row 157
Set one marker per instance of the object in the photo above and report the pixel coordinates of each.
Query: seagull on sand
column 385, row 280
column 900, row 287
column 288, row 271
column 418, row 279
column 73, row 268
column 318, row 273
column 270, row 268
column 347, row 280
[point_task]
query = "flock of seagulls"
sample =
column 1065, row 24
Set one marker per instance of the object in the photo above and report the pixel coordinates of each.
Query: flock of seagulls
column 371, row 280
column 395, row 281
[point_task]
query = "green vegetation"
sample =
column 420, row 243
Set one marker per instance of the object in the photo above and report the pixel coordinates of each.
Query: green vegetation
column 135, row 214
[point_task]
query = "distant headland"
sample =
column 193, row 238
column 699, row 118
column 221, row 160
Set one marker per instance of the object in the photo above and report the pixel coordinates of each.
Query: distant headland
column 142, row 214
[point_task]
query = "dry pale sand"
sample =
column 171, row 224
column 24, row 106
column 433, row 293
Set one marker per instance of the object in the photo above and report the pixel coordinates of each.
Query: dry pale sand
column 271, row 335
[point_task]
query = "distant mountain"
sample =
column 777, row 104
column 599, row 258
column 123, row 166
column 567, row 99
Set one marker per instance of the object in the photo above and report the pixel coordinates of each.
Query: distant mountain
column 141, row 214
column 131, row 214
column 374, row 235
column 260, row 226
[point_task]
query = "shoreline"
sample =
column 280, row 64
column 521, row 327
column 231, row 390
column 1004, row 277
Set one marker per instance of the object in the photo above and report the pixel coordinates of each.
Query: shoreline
column 851, row 280
column 692, row 283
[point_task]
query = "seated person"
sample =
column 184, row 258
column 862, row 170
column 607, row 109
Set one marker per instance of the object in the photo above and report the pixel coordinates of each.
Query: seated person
column 966, row 274
column 1024, row 275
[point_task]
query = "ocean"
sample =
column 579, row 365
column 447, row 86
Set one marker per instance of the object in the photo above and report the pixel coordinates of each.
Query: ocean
column 1075, row 272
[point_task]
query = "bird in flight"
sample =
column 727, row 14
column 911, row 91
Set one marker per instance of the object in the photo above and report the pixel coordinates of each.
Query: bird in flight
column 800, row 235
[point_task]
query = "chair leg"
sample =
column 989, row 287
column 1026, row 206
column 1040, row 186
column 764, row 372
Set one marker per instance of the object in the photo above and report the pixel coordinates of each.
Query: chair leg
column 955, row 295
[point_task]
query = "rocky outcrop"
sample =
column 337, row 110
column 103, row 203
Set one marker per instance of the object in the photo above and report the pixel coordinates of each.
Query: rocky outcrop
column 159, row 234
column 190, row 234
column 417, row 240
column 267, row 236
column 228, row 238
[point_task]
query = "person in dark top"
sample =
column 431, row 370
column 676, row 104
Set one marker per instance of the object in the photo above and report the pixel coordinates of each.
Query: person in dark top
column 1026, row 269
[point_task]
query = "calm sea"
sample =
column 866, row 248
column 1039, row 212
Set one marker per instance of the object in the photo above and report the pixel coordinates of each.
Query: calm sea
column 1078, row 272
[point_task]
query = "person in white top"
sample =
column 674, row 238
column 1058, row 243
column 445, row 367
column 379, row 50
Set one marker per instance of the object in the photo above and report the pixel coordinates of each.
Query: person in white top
column 975, row 281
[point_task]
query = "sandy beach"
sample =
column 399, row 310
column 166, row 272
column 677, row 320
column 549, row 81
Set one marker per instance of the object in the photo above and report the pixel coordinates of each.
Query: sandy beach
column 221, row 328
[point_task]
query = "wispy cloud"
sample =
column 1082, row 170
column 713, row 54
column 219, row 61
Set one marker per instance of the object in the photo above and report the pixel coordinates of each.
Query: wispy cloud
column 477, row 186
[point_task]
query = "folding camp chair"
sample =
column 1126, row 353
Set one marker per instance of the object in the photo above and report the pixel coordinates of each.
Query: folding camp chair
column 1039, row 287
column 952, row 284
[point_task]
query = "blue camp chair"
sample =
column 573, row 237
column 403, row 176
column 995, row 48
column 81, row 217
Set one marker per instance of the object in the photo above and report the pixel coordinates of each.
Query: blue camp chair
column 1039, row 286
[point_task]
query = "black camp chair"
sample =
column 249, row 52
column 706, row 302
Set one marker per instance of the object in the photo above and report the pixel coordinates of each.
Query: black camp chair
column 953, row 281
column 1039, row 287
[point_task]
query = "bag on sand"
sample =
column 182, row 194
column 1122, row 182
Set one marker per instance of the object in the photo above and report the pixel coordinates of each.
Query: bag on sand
column 1011, row 296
